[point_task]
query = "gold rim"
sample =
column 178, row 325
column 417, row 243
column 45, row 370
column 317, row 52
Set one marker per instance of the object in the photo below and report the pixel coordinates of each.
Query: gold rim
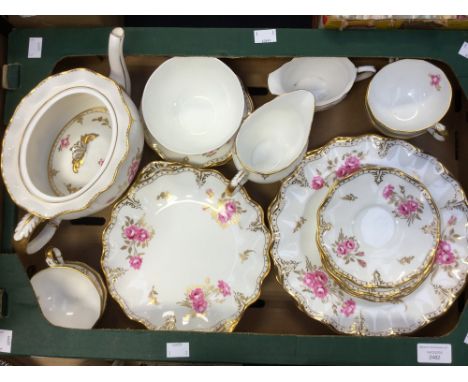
column 377, row 296
column 119, row 166
column 325, row 256
column 227, row 325
column 300, row 302
column 417, row 131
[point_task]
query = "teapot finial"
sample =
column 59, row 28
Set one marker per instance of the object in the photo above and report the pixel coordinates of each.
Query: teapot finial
column 118, row 68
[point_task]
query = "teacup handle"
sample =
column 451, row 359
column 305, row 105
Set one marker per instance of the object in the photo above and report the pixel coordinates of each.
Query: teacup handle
column 364, row 72
column 54, row 257
column 237, row 182
column 24, row 230
column 438, row 131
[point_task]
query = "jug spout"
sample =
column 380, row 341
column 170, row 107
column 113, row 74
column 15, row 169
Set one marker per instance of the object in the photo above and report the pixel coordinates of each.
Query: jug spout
column 118, row 68
column 274, row 82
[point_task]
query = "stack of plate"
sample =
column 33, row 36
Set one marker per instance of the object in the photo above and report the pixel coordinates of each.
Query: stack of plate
column 370, row 236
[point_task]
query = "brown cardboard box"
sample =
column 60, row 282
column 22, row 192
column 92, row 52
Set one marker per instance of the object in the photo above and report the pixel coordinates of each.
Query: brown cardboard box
column 64, row 21
column 276, row 311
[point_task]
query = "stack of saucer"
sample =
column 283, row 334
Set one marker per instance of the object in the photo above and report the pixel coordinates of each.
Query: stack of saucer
column 377, row 231
column 369, row 236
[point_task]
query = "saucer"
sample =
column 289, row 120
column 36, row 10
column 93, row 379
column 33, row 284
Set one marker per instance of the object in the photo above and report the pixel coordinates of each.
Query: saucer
column 378, row 228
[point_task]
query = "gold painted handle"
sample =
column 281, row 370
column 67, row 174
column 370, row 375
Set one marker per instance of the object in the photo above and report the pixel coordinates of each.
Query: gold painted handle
column 22, row 242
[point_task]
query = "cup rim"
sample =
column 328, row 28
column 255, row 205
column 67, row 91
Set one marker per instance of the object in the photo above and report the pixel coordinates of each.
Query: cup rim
column 413, row 132
column 151, row 83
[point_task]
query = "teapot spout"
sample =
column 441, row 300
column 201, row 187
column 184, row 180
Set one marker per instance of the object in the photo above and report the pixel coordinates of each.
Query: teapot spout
column 118, row 68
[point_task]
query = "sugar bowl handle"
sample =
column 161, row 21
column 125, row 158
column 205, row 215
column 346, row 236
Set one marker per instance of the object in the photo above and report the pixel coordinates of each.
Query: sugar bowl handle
column 28, row 224
column 237, row 182
column 364, row 72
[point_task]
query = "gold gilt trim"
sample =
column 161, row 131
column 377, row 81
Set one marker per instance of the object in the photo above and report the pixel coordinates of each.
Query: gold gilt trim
column 119, row 165
column 154, row 170
column 378, row 173
column 281, row 271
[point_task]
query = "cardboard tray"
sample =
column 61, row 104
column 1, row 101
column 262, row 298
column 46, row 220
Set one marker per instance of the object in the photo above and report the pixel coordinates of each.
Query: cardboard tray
column 273, row 330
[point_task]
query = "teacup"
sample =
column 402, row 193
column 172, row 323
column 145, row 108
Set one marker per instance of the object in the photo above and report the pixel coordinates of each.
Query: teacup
column 273, row 139
column 192, row 108
column 70, row 294
column 72, row 147
column 328, row 78
column 408, row 98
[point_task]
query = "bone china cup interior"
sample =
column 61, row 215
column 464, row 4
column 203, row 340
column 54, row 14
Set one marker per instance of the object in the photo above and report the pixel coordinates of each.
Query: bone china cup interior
column 192, row 106
column 409, row 96
column 328, row 78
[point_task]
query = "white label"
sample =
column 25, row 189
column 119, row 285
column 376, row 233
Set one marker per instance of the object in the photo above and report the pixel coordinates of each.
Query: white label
column 5, row 340
column 265, row 36
column 434, row 353
column 35, row 47
column 464, row 50
column 177, row 350
column 466, row 339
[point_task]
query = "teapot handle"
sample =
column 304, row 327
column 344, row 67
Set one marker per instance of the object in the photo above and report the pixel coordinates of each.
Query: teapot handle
column 22, row 237
column 364, row 72
column 118, row 68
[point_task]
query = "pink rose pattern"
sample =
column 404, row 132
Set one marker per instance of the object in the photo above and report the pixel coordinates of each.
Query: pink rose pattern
column 100, row 162
column 133, row 169
column 135, row 236
column 435, row 81
column 320, row 286
column 348, row 307
column 198, row 301
column 446, row 255
column 199, row 298
column 317, row 283
column 347, row 248
column 352, row 164
column 224, row 288
column 317, row 182
column 227, row 211
column 406, row 206
column 64, row 143
column 135, row 262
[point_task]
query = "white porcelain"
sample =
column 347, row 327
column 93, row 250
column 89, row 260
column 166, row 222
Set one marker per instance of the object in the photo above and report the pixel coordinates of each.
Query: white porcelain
column 180, row 254
column 292, row 218
column 192, row 108
column 273, row 139
column 45, row 141
column 378, row 228
column 70, row 295
column 328, row 78
column 409, row 97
